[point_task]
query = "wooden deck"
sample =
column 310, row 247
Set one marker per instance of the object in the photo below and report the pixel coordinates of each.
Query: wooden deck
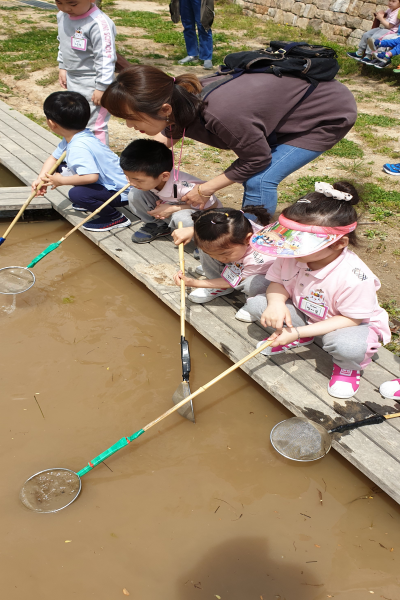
column 297, row 379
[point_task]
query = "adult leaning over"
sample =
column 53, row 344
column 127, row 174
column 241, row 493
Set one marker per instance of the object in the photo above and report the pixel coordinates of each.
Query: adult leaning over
column 238, row 116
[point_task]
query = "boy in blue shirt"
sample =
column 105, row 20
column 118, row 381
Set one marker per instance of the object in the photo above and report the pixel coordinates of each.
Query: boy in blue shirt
column 91, row 167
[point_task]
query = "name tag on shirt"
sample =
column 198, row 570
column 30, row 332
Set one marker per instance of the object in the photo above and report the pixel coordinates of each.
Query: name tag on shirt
column 78, row 43
column 312, row 308
column 233, row 274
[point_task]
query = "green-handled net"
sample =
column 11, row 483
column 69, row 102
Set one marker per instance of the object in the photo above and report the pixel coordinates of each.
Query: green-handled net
column 54, row 489
column 45, row 252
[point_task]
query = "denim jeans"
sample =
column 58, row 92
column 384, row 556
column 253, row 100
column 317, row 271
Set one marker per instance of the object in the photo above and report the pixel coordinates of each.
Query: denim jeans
column 190, row 17
column 261, row 189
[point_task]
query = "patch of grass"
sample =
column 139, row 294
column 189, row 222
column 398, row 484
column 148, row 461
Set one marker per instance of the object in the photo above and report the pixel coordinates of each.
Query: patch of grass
column 23, row 75
column 346, row 149
column 357, row 168
column 51, row 78
column 392, row 308
column 4, row 87
column 364, row 119
column 39, row 120
column 380, row 213
column 35, row 47
column 153, row 55
column 121, row 37
column 371, row 234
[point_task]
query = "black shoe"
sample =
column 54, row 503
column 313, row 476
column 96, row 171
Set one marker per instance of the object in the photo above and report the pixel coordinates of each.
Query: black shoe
column 149, row 232
column 354, row 55
column 381, row 63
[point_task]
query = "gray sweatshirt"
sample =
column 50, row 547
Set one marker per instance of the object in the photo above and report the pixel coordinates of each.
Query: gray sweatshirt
column 87, row 46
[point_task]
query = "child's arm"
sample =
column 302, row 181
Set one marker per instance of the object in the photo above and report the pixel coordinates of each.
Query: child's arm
column 288, row 335
column 51, row 161
column 57, row 179
column 219, row 283
column 381, row 17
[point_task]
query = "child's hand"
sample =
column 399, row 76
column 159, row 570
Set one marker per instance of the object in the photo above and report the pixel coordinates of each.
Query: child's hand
column 54, row 180
column 377, row 43
column 182, row 236
column 162, row 211
column 96, row 97
column 275, row 315
column 62, row 78
column 180, row 276
column 283, row 337
column 42, row 190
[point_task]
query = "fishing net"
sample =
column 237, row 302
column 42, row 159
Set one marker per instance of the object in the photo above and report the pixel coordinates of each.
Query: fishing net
column 50, row 490
column 300, row 439
column 182, row 392
column 15, row 280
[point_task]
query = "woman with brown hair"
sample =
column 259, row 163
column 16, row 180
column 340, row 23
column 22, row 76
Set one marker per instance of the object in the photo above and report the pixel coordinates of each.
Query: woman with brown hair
column 239, row 116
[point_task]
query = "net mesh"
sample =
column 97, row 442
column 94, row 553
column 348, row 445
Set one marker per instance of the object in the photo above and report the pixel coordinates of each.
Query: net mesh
column 50, row 490
column 300, row 439
column 14, row 280
column 182, row 392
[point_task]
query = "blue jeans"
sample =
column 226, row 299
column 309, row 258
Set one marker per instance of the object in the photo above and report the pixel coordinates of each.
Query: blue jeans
column 92, row 196
column 261, row 189
column 190, row 17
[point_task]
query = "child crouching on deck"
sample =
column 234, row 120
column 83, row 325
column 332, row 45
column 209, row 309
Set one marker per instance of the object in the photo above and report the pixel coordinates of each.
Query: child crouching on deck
column 158, row 189
column 319, row 287
column 227, row 259
column 91, row 167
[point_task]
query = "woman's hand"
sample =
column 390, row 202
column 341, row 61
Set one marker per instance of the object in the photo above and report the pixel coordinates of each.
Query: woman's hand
column 183, row 235
column 179, row 276
column 62, row 78
column 283, row 337
column 275, row 315
column 195, row 199
column 162, row 211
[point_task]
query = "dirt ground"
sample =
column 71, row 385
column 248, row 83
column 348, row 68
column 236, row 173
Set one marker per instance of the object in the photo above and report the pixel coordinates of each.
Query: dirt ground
column 380, row 240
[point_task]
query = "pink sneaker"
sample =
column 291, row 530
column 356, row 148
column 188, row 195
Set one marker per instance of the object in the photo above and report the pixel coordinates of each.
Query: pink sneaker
column 391, row 389
column 280, row 349
column 344, row 383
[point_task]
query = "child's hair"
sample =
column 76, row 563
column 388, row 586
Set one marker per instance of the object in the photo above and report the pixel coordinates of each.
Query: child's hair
column 146, row 156
column 226, row 227
column 326, row 211
column 69, row 110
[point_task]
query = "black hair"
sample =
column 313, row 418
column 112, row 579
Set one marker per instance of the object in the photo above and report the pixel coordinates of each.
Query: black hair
column 226, row 226
column 146, row 156
column 69, row 110
column 326, row 211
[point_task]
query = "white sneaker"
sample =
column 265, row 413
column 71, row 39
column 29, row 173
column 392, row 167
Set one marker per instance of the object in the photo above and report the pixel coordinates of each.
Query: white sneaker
column 202, row 295
column 244, row 315
column 199, row 270
column 391, row 389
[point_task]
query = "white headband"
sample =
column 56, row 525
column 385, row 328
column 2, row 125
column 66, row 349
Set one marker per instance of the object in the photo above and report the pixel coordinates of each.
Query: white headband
column 328, row 190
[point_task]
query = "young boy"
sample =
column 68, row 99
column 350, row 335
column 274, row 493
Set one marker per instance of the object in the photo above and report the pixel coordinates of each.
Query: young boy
column 389, row 24
column 92, row 168
column 158, row 191
column 87, row 56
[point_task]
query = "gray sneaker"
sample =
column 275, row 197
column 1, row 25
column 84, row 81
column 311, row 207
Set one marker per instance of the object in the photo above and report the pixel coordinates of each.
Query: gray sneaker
column 208, row 64
column 187, row 59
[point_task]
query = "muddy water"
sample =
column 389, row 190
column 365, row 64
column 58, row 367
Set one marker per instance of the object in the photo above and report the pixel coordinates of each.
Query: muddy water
column 7, row 179
column 186, row 511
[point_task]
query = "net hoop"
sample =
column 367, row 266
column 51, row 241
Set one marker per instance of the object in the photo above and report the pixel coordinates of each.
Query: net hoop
column 279, row 450
column 22, row 291
column 47, row 471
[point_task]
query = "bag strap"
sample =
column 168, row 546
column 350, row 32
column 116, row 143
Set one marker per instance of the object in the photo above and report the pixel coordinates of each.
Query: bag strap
column 290, row 46
column 210, row 87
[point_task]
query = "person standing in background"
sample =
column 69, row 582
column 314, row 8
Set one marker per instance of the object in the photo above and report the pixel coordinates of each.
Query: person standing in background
column 192, row 13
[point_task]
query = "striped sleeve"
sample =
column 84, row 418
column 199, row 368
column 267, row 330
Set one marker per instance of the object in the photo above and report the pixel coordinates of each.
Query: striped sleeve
column 104, row 53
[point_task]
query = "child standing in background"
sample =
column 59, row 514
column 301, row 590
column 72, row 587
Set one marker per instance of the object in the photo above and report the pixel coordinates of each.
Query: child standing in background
column 389, row 24
column 86, row 57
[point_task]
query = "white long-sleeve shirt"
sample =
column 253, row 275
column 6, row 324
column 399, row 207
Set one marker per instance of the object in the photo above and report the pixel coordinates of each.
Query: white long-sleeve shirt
column 87, row 46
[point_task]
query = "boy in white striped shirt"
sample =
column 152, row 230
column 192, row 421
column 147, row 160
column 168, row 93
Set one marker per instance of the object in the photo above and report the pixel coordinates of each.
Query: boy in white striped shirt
column 87, row 56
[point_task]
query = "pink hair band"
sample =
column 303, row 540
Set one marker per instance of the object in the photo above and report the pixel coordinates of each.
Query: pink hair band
column 289, row 224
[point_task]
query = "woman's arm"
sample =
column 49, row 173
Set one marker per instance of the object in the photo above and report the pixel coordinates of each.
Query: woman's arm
column 208, row 188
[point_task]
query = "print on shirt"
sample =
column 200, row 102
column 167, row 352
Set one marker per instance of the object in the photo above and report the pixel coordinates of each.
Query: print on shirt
column 78, row 40
column 314, row 304
column 360, row 274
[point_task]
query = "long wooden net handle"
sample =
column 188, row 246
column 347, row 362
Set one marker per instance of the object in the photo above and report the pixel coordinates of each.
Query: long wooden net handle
column 31, row 197
column 183, row 295
column 392, row 416
column 210, row 383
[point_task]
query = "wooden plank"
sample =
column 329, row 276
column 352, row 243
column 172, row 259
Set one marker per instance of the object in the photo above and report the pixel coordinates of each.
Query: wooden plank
column 29, row 124
column 388, row 361
column 35, row 204
column 7, row 122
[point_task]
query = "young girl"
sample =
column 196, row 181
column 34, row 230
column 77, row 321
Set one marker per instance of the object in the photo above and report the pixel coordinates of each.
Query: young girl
column 319, row 287
column 227, row 259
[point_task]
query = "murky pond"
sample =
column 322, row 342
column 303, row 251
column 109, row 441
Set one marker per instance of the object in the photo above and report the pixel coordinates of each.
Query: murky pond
column 186, row 511
column 8, row 179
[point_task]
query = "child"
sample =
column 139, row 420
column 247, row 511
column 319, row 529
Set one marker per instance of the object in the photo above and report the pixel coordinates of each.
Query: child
column 384, row 58
column 319, row 287
column 156, row 199
column 92, row 168
column 389, row 24
column 87, row 56
column 227, row 259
